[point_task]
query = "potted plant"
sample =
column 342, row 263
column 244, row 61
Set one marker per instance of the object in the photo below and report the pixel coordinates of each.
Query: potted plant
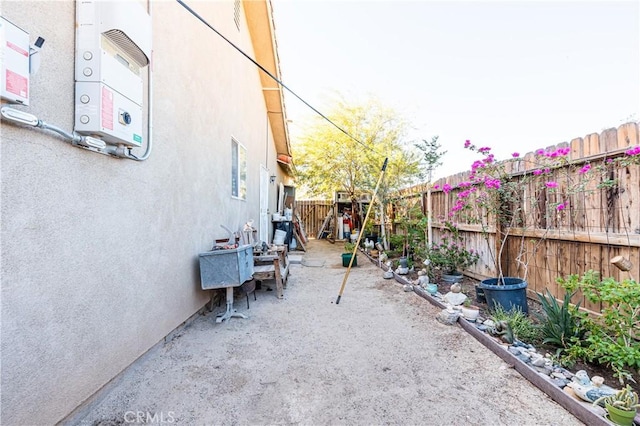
column 370, row 233
column 349, row 251
column 450, row 255
column 621, row 406
column 470, row 312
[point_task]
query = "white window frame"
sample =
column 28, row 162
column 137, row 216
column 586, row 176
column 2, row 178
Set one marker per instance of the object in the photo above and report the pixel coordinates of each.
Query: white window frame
column 238, row 170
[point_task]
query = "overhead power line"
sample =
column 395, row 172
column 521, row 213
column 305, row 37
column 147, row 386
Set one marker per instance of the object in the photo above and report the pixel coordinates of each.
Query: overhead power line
column 201, row 19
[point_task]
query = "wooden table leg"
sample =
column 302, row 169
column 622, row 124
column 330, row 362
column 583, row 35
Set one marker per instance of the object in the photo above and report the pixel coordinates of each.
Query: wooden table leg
column 278, row 274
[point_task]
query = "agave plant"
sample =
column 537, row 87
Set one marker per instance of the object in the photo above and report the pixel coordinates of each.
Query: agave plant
column 625, row 399
column 561, row 323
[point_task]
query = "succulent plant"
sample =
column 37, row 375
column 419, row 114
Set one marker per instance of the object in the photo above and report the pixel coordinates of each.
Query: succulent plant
column 625, row 399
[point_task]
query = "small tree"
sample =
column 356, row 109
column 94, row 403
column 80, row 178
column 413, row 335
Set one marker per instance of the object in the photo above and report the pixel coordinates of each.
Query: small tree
column 328, row 159
column 431, row 160
column 431, row 157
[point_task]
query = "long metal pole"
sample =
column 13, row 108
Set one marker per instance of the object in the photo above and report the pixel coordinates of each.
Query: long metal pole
column 366, row 218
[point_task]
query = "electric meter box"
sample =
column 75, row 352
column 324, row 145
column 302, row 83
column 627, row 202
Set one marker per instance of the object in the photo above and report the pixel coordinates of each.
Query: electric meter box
column 14, row 49
column 113, row 46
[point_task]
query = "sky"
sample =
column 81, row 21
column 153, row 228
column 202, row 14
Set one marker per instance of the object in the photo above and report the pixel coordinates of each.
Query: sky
column 512, row 75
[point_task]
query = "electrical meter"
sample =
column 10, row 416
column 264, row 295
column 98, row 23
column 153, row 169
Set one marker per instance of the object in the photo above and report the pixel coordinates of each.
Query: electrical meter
column 14, row 48
column 113, row 46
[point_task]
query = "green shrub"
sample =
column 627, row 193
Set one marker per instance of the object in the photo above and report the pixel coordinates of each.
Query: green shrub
column 450, row 254
column 561, row 321
column 612, row 338
column 523, row 328
column 396, row 241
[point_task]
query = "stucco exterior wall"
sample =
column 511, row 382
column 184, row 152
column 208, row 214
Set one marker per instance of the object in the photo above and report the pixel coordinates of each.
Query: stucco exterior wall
column 99, row 255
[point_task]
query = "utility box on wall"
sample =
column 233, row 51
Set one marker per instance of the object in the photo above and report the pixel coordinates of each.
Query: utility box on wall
column 14, row 49
column 113, row 45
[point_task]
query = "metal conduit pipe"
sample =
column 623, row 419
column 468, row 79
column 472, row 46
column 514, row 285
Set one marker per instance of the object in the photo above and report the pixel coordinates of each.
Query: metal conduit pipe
column 74, row 138
column 147, row 152
column 27, row 119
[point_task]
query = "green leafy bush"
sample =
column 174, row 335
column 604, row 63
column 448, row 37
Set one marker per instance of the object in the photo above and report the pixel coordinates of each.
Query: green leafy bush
column 523, row 328
column 561, row 323
column 396, row 241
column 612, row 338
column 450, row 254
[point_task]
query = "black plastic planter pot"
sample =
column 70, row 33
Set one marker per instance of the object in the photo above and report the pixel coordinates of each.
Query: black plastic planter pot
column 452, row 277
column 480, row 294
column 509, row 296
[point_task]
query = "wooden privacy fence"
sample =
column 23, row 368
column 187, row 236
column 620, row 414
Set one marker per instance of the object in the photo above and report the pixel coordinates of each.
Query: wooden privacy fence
column 597, row 224
column 312, row 214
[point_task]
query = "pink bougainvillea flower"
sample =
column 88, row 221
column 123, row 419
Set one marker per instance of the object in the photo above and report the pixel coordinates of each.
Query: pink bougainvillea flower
column 464, row 194
column 633, row 151
column 467, row 143
column 547, row 170
column 515, row 155
column 585, row 168
column 540, row 152
column 436, row 186
column 484, row 150
column 551, row 184
column 464, row 184
column 492, row 183
column 477, row 165
column 446, row 188
column 562, row 206
column 459, row 205
column 537, row 172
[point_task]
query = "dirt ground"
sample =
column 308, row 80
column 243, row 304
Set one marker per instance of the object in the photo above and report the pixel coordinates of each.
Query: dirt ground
column 379, row 357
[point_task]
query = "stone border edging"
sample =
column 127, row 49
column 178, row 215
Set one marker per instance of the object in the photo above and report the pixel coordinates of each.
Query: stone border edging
column 558, row 395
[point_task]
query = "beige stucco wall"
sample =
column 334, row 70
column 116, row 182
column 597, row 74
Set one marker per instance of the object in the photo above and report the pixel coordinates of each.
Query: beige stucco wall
column 99, row 255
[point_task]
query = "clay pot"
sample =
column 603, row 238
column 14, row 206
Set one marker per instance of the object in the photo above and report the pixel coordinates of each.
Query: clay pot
column 470, row 313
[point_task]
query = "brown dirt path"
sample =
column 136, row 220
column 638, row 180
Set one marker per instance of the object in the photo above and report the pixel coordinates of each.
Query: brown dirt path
column 379, row 357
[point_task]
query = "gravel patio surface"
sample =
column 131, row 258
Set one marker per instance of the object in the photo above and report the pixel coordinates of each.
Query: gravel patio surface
column 379, row 357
